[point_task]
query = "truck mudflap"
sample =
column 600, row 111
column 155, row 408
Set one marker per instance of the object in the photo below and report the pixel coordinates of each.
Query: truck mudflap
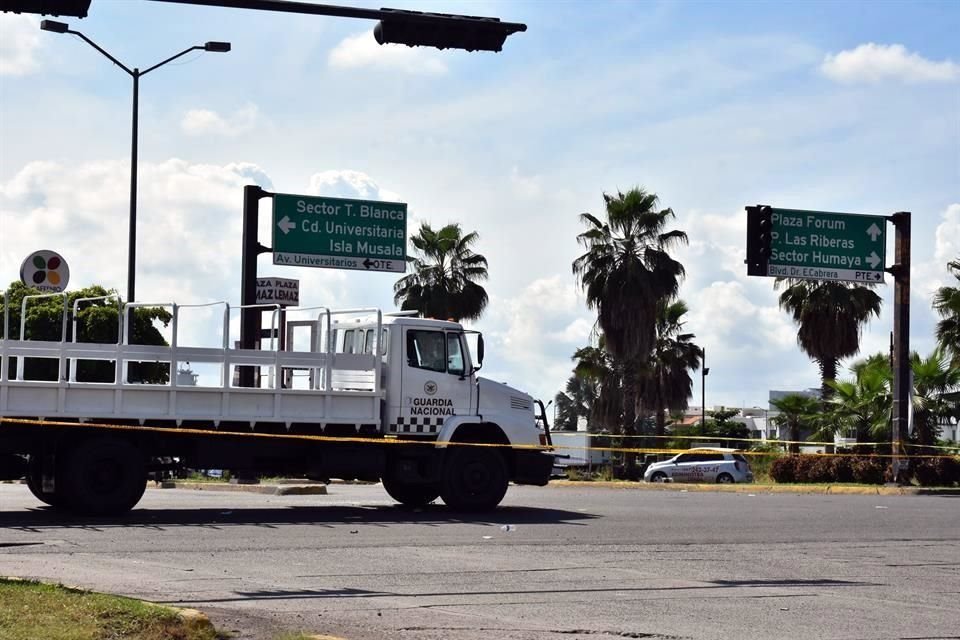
column 533, row 467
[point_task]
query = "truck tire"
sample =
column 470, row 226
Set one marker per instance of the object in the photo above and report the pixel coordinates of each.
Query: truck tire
column 411, row 494
column 103, row 476
column 473, row 478
column 35, row 484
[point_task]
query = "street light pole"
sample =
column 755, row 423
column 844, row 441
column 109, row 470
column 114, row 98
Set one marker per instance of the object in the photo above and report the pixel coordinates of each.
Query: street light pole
column 135, row 73
column 132, row 232
column 703, row 387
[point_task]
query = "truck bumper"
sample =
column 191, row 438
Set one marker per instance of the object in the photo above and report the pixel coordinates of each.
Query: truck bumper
column 533, row 467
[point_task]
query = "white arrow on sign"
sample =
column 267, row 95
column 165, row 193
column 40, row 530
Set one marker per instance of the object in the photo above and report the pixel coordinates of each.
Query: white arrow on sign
column 873, row 259
column 285, row 225
column 873, row 231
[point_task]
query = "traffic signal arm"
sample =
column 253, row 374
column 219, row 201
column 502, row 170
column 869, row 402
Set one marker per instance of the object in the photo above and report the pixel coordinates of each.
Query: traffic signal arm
column 71, row 8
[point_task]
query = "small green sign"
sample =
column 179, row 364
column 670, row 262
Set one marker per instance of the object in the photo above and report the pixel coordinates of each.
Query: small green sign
column 821, row 245
column 338, row 233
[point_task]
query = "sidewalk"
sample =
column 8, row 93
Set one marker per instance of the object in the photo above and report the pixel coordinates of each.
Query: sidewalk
column 831, row 489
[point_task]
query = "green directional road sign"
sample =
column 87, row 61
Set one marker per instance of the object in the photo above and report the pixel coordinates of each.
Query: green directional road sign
column 820, row 245
column 336, row 233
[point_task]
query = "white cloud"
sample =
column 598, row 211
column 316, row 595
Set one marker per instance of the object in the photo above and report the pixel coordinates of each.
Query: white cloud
column 533, row 335
column 930, row 270
column 361, row 50
column 19, row 43
column 947, row 245
column 348, row 184
column 873, row 63
column 526, row 186
column 197, row 122
column 188, row 227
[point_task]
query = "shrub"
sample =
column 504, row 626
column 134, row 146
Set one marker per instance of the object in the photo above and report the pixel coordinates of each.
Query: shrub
column 827, row 468
column 843, row 469
column 761, row 458
column 937, row 472
column 869, row 470
column 820, row 469
column 784, row 469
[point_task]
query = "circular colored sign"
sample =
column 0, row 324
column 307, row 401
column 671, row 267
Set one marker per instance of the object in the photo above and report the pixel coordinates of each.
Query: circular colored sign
column 46, row 271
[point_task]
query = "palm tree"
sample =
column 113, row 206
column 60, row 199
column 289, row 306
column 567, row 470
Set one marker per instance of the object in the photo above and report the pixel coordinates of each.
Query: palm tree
column 797, row 412
column 830, row 316
column 626, row 272
column 599, row 369
column 947, row 303
column 575, row 402
column 933, row 376
column 666, row 382
column 862, row 404
column 445, row 275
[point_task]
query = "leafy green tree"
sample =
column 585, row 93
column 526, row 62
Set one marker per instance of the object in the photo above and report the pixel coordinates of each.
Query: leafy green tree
column 445, row 275
column 626, row 272
column 947, row 303
column 97, row 322
column 797, row 413
column 720, row 424
column 830, row 318
column 933, row 377
column 665, row 382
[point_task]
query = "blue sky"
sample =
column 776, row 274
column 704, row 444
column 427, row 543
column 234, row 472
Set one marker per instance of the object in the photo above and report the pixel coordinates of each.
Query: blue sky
column 819, row 105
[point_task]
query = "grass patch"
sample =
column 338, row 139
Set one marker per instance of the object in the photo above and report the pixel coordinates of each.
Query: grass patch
column 31, row 610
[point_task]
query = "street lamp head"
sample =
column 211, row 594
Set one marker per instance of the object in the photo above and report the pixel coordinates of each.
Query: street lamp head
column 218, row 47
column 706, row 370
column 54, row 26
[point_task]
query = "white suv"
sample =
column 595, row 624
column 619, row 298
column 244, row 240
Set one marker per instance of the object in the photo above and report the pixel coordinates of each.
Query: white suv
column 724, row 466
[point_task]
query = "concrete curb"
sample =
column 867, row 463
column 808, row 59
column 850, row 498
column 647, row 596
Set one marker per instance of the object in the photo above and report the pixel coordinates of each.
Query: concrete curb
column 763, row 488
column 196, row 621
column 268, row 489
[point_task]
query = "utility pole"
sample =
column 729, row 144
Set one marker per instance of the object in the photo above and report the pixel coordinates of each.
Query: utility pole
column 901, row 341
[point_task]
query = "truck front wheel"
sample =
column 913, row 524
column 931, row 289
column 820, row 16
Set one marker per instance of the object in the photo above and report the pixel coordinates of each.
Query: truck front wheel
column 103, row 476
column 474, row 478
column 410, row 493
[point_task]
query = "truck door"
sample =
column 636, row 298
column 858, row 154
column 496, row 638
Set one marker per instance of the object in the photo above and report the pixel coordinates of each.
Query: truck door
column 435, row 383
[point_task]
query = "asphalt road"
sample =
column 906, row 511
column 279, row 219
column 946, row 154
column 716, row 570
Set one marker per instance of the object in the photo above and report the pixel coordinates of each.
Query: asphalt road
column 556, row 563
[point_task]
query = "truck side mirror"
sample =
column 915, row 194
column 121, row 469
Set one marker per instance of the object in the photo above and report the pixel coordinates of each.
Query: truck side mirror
column 480, row 349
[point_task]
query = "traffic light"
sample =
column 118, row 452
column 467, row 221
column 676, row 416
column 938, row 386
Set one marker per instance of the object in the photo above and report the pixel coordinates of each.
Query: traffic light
column 72, row 8
column 759, row 239
column 443, row 30
column 766, row 232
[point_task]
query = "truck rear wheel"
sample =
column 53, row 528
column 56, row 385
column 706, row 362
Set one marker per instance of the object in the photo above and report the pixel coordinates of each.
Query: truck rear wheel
column 104, row 476
column 474, row 478
column 35, row 483
column 410, row 494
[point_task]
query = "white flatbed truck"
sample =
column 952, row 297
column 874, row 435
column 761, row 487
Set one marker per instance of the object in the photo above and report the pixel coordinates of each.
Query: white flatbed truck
column 367, row 396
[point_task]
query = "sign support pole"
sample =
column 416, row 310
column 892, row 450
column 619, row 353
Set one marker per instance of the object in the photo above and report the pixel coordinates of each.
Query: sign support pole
column 250, row 318
column 901, row 341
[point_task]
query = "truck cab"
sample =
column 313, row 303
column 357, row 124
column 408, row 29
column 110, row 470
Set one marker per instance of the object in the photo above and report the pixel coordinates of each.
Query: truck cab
column 434, row 395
